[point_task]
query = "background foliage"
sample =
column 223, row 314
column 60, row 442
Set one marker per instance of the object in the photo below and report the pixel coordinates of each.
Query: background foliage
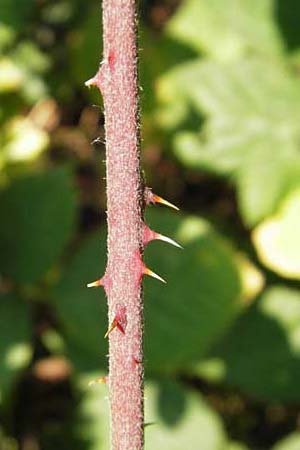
column 220, row 125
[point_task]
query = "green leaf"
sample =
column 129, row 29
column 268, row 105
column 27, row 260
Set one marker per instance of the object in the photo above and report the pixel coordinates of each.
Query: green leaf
column 15, row 334
column 181, row 419
column 82, row 311
column 200, row 299
column 22, row 140
column 291, row 442
column 33, row 64
column 160, row 53
column 236, row 446
column 7, row 442
column 264, row 179
column 37, row 220
column 91, row 424
column 16, row 13
column 277, row 239
column 251, row 133
column 227, row 32
column 11, row 77
column 261, row 353
column 7, row 36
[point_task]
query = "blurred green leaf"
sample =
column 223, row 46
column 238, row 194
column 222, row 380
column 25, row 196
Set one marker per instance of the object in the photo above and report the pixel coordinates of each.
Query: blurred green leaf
column 264, row 178
column 261, row 353
column 58, row 13
column 80, row 309
column 159, row 53
column 85, row 48
column 21, row 140
column 34, row 64
column 236, row 446
column 7, row 442
column 7, row 36
column 11, row 76
column 291, row 442
column 201, row 297
column 251, row 133
column 28, row 56
column 195, row 425
column 37, row 220
column 15, row 334
column 15, row 13
column 227, row 31
column 91, row 424
column 277, row 240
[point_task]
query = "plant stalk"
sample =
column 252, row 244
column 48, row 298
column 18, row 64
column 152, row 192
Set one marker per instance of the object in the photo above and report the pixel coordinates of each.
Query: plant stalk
column 118, row 81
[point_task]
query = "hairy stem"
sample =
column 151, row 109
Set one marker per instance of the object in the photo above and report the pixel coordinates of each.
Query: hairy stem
column 117, row 80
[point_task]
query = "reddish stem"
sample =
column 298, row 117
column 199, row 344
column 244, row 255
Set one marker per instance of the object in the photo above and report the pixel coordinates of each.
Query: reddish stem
column 117, row 80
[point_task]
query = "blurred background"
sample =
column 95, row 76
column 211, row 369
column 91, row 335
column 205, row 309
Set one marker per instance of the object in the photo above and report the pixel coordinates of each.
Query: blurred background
column 220, row 104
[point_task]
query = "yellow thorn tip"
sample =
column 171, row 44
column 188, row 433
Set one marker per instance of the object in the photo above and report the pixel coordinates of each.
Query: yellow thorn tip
column 96, row 283
column 161, row 200
column 152, row 274
column 111, row 328
column 100, row 380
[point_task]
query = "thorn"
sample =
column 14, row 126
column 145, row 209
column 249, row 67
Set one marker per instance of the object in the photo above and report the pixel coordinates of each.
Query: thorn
column 161, row 237
column 100, row 380
column 152, row 274
column 96, row 283
column 98, row 140
column 111, row 328
column 149, row 424
column 136, row 362
column 150, row 235
column 153, row 198
column 120, row 321
column 162, row 201
column 97, row 80
column 91, row 82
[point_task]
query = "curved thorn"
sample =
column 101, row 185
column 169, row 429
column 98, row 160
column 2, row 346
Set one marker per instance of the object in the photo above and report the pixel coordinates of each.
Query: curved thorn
column 111, row 328
column 96, row 283
column 152, row 274
column 161, row 237
column 162, row 201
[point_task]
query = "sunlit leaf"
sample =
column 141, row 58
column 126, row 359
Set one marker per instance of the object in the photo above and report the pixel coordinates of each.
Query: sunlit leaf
column 251, row 133
column 291, row 442
column 277, row 240
column 227, row 32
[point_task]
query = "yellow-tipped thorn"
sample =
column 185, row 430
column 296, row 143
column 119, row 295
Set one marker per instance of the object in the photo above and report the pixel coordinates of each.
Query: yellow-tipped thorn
column 152, row 274
column 100, row 380
column 111, row 328
column 161, row 200
column 96, row 283
column 91, row 82
column 161, row 237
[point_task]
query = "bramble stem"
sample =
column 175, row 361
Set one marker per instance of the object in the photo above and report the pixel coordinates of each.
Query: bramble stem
column 118, row 82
